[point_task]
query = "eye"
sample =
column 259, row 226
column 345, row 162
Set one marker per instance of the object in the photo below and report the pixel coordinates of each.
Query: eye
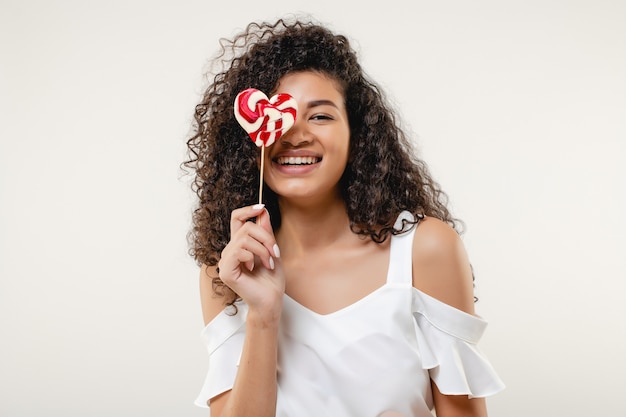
column 321, row 116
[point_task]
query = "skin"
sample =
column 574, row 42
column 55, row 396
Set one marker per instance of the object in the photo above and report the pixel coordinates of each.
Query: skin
column 315, row 226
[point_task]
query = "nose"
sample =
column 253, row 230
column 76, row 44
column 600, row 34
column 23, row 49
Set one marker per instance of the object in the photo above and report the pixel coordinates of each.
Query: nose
column 296, row 136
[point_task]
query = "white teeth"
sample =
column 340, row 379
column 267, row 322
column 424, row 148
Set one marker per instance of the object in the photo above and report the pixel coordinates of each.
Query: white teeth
column 297, row 160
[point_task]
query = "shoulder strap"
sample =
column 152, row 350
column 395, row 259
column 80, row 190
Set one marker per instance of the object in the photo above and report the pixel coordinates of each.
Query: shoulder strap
column 401, row 252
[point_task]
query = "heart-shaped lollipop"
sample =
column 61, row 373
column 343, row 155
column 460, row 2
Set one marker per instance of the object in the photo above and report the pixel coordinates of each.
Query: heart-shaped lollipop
column 265, row 120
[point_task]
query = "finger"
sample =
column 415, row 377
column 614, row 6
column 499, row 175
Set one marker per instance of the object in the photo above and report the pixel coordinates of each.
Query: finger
column 264, row 221
column 250, row 241
column 231, row 261
column 249, row 265
column 259, row 248
column 240, row 216
column 262, row 232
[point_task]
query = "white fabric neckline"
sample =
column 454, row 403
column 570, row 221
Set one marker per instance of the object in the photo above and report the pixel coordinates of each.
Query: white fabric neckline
column 340, row 311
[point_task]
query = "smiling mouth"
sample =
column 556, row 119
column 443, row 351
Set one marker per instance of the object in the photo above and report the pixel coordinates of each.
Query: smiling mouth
column 297, row 160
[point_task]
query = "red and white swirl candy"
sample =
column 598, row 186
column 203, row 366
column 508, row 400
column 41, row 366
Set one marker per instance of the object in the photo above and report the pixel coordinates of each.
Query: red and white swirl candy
column 265, row 120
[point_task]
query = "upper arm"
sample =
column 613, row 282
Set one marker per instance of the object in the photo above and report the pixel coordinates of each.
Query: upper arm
column 212, row 304
column 441, row 267
column 458, row 405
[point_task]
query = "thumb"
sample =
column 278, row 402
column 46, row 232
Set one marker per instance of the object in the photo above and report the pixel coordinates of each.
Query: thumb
column 264, row 221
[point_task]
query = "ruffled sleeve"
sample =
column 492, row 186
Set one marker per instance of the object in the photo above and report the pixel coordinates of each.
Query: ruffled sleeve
column 447, row 340
column 223, row 337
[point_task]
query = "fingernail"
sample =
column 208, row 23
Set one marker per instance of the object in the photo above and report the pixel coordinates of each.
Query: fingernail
column 251, row 266
column 276, row 251
column 258, row 206
column 271, row 263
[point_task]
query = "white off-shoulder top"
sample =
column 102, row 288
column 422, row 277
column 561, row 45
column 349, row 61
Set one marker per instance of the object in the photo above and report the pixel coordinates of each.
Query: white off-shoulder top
column 373, row 358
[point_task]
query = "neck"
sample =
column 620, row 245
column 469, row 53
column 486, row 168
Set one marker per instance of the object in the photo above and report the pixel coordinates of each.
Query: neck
column 305, row 229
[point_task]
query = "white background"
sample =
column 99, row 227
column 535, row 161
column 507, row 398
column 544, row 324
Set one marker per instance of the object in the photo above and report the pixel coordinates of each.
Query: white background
column 519, row 107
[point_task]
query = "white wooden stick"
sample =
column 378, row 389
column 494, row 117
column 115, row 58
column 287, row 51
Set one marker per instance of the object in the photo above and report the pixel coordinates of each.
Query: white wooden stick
column 261, row 176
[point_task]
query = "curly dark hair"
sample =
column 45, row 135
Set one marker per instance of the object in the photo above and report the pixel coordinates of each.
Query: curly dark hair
column 383, row 176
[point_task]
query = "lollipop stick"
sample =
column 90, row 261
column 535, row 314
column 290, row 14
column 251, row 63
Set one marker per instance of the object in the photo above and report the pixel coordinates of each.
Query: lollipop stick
column 261, row 176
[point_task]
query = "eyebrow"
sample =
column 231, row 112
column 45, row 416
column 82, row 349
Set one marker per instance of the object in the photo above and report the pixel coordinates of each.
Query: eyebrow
column 316, row 103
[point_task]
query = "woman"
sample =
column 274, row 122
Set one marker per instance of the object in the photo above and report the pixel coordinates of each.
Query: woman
column 349, row 292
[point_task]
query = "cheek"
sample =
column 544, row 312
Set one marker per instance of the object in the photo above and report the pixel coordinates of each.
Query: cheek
column 340, row 140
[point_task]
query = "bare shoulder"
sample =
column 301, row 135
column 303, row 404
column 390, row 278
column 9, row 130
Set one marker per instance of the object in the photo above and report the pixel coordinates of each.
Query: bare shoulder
column 441, row 267
column 212, row 304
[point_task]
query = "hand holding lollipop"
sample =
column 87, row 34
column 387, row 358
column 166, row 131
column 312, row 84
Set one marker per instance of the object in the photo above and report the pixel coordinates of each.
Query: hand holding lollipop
column 265, row 120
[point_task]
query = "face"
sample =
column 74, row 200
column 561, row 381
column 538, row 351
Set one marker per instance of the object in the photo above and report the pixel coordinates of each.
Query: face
column 307, row 162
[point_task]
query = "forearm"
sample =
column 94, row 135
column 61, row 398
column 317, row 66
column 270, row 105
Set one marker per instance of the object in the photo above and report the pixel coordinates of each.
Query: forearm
column 254, row 390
